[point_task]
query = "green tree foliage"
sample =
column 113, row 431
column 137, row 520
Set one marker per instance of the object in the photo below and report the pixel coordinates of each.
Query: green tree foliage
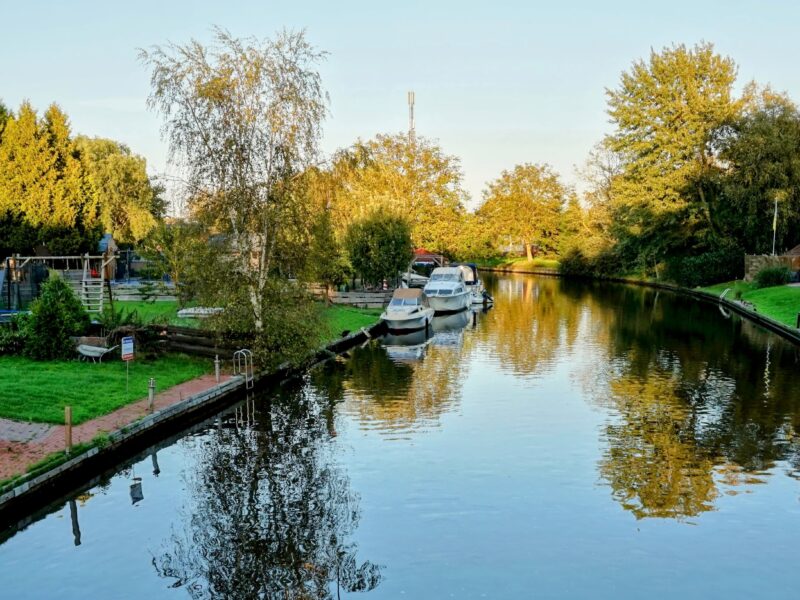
column 415, row 179
column 762, row 153
column 379, row 246
column 174, row 248
column 524, row 206
column 327, row 262
column 55, row 316
column 666, row 112
column 128, row 203
column 243, row 117
column 46, row 196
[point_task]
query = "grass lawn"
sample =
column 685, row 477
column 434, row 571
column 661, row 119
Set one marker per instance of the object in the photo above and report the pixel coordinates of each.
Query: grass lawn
column 38, row 391
column 161, row 312
column 520, row 263
column 339, row 318
column 781, row 303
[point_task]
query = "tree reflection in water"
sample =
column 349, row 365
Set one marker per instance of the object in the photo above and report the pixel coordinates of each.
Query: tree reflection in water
column 271, row 511
column 700, row 404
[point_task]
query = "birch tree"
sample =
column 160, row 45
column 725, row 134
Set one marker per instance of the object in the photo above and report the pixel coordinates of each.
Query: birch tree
column 243, row 119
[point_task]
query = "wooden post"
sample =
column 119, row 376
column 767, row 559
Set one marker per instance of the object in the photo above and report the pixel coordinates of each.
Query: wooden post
column 68, row 428
column 797, row 323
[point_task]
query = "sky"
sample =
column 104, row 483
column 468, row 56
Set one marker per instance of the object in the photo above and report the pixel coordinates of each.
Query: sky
column 497, row 83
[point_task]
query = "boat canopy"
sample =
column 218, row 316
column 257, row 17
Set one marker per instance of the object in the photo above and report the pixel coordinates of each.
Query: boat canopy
column 470, row 271
column 408, row 293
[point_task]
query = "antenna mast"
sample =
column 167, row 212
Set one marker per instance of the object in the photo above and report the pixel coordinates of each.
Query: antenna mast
column 411, row 132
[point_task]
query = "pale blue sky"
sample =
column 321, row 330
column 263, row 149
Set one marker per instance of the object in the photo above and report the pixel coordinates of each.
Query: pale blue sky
column 497, row 83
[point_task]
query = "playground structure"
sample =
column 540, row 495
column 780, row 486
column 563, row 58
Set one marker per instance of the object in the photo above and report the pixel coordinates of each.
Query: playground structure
column 22, row 276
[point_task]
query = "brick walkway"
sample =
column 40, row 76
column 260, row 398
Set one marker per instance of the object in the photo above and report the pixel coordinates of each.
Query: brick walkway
column 22, row 444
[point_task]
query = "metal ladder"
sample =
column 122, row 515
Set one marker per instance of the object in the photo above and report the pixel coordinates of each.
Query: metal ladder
column 243, row 365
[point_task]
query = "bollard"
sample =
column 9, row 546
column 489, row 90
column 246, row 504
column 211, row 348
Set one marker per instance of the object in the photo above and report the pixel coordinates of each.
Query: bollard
column 68, row 429
column 216, row 367
column 151, row 394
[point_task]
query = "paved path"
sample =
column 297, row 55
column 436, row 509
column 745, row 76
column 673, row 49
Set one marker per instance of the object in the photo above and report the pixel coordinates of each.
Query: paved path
column 22, row 444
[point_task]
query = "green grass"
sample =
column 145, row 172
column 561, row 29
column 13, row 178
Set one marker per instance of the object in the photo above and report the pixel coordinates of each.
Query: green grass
column 781, row 303
column 38, row 391
column 520, row 263
column 339, row 318
column 161, row 312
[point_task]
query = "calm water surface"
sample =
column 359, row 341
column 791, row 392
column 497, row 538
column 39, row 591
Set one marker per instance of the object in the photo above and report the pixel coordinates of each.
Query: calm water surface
column 576, row 441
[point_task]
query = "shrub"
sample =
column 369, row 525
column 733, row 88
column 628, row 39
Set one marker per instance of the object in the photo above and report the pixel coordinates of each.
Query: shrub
column 13, row 335
column 772, row 276
column 718, row 265
column 55, row 316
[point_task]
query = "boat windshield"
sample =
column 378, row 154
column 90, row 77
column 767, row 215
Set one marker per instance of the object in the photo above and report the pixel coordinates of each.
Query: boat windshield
column 444, row 277
column 404, row 302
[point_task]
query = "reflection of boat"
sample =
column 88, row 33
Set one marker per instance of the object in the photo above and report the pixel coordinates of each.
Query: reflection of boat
column 447, row 292
column 407, row 310
column 478, row 294
column 406, row 346
column 448, row 330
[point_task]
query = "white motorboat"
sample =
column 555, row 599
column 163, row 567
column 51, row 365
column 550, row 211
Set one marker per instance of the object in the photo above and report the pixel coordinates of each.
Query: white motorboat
column 447, row 292
column 478, row 293
column 408, row 310
column 413, row 280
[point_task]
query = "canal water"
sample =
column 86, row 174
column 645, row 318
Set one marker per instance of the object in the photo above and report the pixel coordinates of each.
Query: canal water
column 578, row 440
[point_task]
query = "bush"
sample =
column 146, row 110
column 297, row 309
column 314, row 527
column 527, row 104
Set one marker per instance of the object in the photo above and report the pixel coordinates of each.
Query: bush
column 772, row 276
column 723, row 264
column 13, row 335
column 56, row 315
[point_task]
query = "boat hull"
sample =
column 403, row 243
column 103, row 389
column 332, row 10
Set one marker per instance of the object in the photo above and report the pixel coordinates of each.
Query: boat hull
column 449, row 304
column 401, row 322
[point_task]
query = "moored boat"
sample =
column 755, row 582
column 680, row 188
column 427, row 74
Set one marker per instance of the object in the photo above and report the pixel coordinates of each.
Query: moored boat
column 408, row 310
column 446, row 291
column 478, row 294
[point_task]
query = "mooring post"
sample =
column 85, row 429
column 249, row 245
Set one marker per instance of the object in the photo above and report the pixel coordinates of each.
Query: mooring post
column 216, row 367
column 67, row 429
column 151, row 394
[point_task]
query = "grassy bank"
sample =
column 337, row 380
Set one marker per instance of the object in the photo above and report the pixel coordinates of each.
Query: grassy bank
column 38, row 391
column 781, row 303
column 161, row 312
column 520, row 264
column 338, row 318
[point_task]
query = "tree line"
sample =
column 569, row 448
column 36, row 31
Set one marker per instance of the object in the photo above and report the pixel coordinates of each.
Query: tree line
column 680, row 188
column 63, row 192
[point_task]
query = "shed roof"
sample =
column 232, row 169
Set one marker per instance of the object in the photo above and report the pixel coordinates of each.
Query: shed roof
column 794, row 251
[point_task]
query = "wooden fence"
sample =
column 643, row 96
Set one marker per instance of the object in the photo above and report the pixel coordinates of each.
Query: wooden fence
column 197, row 342
column 130, row 291
column 361, row 299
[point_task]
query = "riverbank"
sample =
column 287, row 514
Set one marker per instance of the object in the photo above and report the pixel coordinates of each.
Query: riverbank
column 537, row 266
column 57, row 473
column 780, row 304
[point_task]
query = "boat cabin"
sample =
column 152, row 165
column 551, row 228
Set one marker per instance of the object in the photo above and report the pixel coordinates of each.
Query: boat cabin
column 408, row 297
